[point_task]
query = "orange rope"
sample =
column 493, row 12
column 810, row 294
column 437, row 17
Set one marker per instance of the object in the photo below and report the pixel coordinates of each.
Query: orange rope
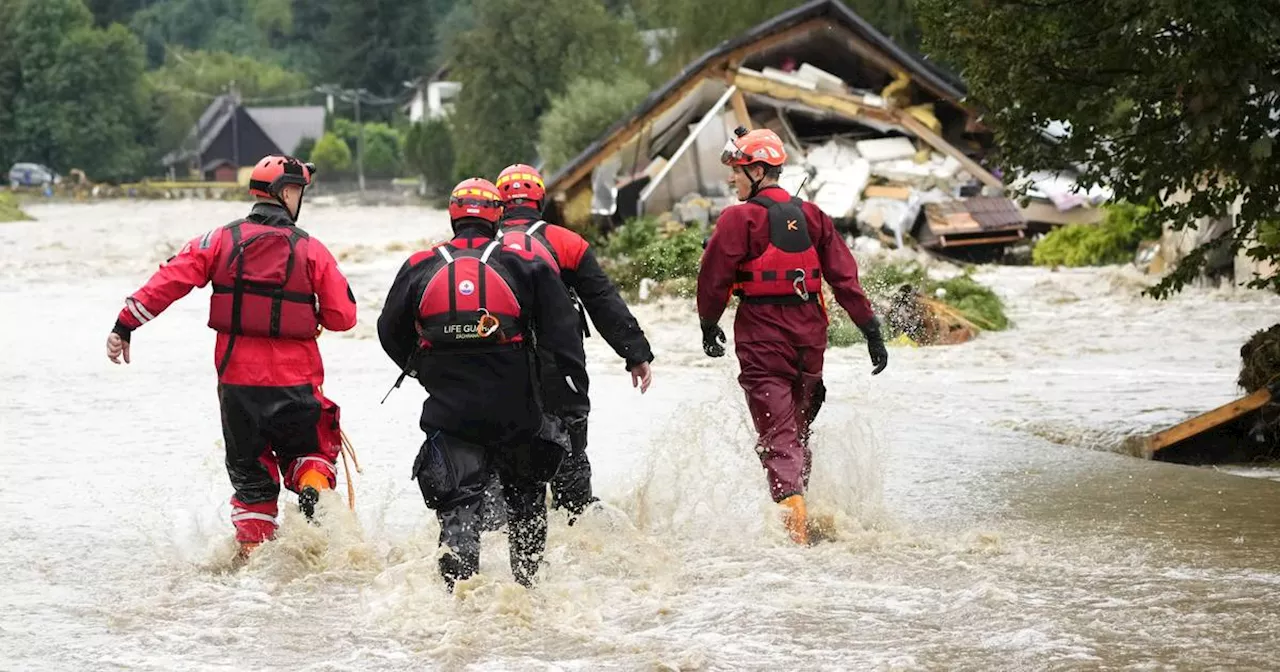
column 347, row 449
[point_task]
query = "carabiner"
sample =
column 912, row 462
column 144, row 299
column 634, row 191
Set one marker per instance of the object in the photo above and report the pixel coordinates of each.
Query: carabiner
column 798, row 285
column 488, row 324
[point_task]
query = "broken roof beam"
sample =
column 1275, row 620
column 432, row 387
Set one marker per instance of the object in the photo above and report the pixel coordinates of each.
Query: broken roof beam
column 711, row 115
column 937, row 142
column 668, row 99
column 753, row 82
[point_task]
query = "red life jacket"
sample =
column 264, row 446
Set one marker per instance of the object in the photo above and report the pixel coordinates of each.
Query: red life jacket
column 533, row 238
column 469, row 304
column 789, row 271
column 260, row 283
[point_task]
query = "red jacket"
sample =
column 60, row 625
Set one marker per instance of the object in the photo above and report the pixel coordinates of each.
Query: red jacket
column 742, row 233
column 254, row 361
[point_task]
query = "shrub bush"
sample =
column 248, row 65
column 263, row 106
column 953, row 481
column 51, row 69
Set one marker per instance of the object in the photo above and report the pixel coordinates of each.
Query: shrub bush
column 1114, row 240
column 9, row 210
column 303, row 151
column 382, row 150
column 639, row 249
column 428, row 150
column 587, row 108
column 331, row 155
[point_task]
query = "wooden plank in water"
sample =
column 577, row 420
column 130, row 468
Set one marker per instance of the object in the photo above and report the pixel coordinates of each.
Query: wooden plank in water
column 1201, row 423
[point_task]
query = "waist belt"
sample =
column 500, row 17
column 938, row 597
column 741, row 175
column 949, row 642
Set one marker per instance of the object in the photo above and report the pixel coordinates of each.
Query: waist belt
column 770, row 276
column 269, row 292
column 478, row 349
column 779, row 300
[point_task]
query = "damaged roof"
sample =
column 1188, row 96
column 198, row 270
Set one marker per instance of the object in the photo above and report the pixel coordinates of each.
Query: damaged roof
column 928, row 75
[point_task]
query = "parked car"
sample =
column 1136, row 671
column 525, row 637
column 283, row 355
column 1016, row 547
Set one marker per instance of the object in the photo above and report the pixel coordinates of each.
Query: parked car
column 32, row 175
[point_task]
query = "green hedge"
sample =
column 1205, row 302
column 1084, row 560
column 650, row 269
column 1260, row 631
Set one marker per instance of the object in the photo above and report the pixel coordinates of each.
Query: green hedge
column 640, row 249
column 1114, row 240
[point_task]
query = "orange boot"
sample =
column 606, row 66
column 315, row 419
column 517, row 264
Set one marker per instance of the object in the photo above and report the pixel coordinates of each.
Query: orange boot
column 796, row 520
column 246, row 549
column 310, row 483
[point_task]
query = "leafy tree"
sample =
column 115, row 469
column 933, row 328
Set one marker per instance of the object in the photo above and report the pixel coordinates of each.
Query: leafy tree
column 77, row 100
column 587, row 108
column 331, row 155
column 189, row 80
column 428, row 150
column 304, row 149
column 379, row 44
column 346, row 129
column 383, row 153
column 1155, row 98
column 698, row 29
column 107, row 12
column 509, row 76
column 10, row 78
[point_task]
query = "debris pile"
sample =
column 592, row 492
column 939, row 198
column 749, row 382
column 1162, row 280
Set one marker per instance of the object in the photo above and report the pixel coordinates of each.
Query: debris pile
column 1260, row 355
column 871, row 161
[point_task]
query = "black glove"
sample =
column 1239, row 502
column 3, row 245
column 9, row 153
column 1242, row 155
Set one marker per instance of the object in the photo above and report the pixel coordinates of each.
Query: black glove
column 875, row 345
column 712, row 339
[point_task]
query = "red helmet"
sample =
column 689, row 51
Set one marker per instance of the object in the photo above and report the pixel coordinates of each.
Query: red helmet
column 475, row 197
column 275, row 171
column 521, row 181
column 758, row 146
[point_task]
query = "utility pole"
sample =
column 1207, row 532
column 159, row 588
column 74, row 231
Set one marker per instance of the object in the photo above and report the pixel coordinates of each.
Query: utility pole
column 360, row 143
column 235, row 127
column 355, row 96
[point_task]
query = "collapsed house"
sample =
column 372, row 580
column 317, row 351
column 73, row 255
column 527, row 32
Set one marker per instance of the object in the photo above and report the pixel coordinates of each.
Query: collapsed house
column 876, row 137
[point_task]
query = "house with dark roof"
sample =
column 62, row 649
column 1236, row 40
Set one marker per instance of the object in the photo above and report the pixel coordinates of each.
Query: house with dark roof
column 229, row 136
column 813, row 73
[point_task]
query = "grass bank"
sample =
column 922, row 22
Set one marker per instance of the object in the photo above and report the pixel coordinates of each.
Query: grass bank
column 10, row 211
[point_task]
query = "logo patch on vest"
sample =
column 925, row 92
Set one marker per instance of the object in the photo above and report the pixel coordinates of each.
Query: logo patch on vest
column 466, row 288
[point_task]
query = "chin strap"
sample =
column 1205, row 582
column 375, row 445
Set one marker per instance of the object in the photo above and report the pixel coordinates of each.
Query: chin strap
column 293, row 215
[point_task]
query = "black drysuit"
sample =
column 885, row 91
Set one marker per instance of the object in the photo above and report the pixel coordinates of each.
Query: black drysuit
column 484, row 409
column 582, row 274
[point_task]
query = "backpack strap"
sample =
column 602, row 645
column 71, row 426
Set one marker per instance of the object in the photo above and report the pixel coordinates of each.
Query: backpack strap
column 484, row 274
column 488, row 251
column 237, row 296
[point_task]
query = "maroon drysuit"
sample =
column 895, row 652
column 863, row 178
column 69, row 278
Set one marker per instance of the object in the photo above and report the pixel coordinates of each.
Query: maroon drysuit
column 780, row 347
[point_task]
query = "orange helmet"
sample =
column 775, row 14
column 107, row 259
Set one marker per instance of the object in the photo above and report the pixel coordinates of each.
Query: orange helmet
column 520, row 181
column 274, row 171
column 759, row 146
column 475, row 197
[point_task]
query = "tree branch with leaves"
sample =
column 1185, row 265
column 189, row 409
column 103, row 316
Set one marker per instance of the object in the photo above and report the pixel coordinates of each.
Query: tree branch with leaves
column 1171, row 101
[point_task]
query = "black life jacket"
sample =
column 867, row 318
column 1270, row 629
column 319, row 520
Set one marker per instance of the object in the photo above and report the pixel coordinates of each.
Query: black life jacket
column 260, row 283
column 469, row 304
column 789, row 271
